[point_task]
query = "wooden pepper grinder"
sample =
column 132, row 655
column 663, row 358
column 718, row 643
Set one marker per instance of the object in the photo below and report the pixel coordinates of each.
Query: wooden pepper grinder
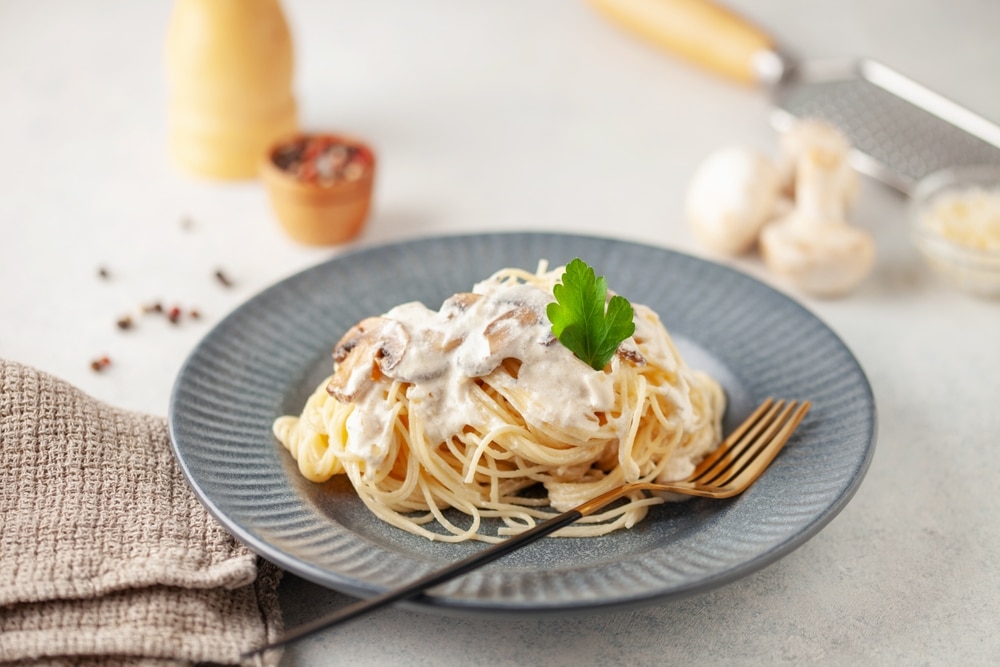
column 229, row 68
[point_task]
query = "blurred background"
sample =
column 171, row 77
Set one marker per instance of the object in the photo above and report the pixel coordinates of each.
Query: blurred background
column 484, row 116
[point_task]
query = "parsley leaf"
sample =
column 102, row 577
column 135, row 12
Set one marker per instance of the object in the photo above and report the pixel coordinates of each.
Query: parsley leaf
column 580, row 320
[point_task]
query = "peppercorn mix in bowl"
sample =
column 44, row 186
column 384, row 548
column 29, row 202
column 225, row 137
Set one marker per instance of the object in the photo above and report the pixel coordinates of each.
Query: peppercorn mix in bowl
column 955, row 223
column 320, row 186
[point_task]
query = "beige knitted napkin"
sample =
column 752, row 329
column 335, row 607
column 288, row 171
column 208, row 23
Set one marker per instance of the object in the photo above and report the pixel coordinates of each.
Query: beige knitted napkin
column 106, row 556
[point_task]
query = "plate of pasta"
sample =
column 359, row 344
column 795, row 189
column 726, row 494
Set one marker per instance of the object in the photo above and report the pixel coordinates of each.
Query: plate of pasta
column 386, row 412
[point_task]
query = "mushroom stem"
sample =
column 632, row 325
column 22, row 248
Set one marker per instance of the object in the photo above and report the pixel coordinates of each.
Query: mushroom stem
column 818, row 188
column 809, row 134
column 814, row 247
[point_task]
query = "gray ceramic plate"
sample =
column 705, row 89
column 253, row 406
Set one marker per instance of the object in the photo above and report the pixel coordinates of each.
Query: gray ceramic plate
column 266, row 357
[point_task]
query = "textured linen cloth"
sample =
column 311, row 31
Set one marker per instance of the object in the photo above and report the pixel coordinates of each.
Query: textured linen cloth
column 106, row 556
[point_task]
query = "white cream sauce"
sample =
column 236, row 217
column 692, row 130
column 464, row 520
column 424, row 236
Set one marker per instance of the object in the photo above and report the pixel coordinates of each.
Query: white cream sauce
column 449, row 348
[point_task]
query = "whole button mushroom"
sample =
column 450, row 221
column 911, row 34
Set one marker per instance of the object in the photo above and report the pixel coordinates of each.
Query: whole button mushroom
column 814, row 247
column 732, row 194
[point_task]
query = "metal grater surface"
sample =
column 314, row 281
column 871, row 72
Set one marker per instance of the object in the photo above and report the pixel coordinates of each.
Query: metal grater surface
column 901, row 131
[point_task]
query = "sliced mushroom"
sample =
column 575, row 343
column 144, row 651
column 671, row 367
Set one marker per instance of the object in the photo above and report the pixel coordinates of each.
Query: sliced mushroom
column 374, row 346
column 355, row 335
column 459, row 303
column 501, row 330
column 814, row 247
column 439, row 341
column 631, row 355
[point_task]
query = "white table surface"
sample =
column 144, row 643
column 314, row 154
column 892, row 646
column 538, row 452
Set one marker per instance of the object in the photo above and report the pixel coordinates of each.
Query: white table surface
column 511, row 116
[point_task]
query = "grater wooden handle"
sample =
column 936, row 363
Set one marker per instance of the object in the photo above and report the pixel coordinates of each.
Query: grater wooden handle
column 698, row 30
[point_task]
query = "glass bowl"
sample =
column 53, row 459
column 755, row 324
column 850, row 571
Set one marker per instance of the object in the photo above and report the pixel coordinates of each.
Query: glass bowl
column 955, row 223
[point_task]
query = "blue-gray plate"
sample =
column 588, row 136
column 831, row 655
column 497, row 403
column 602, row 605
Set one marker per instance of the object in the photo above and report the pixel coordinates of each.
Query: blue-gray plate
column 264, row 359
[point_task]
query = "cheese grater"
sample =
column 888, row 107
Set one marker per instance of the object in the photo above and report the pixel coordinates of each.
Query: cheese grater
column 900, row 130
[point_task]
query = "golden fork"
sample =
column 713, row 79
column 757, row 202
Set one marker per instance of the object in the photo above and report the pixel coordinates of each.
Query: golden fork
column 728, row 471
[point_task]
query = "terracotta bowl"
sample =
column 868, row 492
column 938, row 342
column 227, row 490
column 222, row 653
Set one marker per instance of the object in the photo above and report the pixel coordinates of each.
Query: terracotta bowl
column 320, row 186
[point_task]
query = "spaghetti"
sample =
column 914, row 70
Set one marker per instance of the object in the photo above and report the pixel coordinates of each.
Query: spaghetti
column 478, row 408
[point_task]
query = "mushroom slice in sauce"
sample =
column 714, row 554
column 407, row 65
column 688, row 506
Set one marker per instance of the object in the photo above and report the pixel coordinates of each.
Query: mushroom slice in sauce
column 500, row 330
column 440, row 341
column 631, row 355
column 372, row 345
column 459, row 303
column 355, row 335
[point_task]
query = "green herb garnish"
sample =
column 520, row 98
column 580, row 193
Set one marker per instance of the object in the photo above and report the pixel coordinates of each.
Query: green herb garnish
column 580, row 320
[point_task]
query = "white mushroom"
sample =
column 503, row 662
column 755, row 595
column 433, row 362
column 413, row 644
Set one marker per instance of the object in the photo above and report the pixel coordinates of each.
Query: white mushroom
column 731, row 195
column 814, row 247
column 808, row 134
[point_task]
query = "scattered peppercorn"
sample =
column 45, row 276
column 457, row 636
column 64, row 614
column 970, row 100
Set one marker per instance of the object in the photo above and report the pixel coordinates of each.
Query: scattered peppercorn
column 125, row 322
column 174, row 315
column 223, row 278
column 103, row 273
column 194, row 314
column 156, row 307
column 99, row 364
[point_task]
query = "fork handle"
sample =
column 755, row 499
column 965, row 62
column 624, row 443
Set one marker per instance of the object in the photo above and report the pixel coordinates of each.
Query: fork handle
column 431, row 580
